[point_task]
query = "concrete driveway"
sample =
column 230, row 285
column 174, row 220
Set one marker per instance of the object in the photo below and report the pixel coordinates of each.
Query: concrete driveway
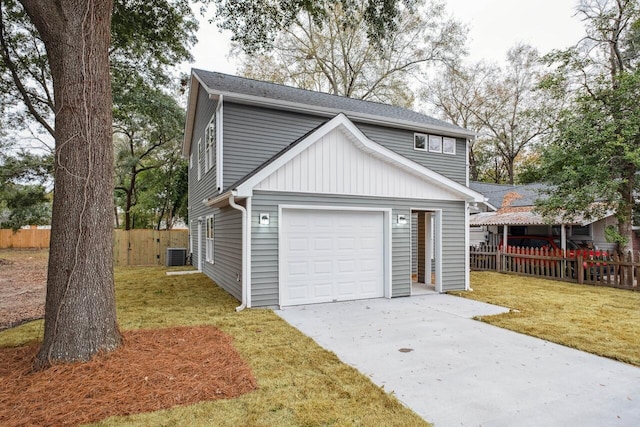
column 454, row 371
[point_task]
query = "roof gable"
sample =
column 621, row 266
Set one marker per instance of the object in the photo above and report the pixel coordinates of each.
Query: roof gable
column 338, row 158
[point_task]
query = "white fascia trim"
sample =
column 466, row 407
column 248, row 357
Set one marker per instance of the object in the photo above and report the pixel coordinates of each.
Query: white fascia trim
column 191, row 113
column 369, row 118
column 246, row 188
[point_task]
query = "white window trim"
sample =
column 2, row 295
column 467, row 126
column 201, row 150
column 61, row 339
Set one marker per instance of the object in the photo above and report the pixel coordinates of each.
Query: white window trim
column 209, row 144
column 449, row 139
column 209, row 241
column 429, row 143
column 198, row 147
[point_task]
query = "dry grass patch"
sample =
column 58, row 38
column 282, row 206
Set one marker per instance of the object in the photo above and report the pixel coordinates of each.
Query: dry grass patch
column 299, row 383
column 23, row 277
column 603, row 321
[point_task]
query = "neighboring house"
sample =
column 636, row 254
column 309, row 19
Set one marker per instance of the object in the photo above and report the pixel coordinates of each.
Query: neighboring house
column 512, row 208
column 299, row 197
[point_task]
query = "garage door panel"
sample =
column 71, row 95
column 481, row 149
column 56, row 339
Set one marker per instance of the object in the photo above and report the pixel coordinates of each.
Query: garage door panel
column 300, row 268
column 342, row 252
column 322, row 290
column 369, row 266
column 346, row 266
column 347, row 290
column 322, row 267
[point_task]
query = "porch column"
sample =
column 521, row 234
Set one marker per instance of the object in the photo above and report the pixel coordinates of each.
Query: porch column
column 505, row 233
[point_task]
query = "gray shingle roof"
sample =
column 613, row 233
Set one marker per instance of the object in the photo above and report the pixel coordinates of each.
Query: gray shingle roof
column 240, row 85
column 496, row 192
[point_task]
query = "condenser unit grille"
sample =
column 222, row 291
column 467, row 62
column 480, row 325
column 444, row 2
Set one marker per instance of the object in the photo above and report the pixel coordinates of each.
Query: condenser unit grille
column 176, row 256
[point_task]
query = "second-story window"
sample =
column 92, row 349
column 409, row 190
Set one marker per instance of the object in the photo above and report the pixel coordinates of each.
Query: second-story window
column 210, row 144
column 434, row 143
column 449, row 145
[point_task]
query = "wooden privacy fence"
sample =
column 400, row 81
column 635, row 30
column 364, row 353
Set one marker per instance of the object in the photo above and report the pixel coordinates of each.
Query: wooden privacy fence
column 130, row 247
column 24, row 238
column 146, row 247
column 584, row 266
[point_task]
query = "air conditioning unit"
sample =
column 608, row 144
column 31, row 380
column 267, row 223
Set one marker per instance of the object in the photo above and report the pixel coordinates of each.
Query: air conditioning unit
column 176, row 256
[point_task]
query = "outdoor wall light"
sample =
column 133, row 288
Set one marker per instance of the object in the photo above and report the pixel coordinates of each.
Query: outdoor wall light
column 402, row 219
column 264, row 219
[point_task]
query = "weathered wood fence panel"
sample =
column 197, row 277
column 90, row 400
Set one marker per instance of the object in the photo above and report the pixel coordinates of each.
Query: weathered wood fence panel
column 132, row 247
column 24, row 238
column 594, row 268
column 146, row 247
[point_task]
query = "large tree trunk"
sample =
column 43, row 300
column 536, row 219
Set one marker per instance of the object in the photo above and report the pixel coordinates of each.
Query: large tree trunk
column 80, row 314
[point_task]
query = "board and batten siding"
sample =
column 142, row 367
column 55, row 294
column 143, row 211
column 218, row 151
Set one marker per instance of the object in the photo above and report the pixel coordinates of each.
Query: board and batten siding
column 252, row 135
column 264, row 239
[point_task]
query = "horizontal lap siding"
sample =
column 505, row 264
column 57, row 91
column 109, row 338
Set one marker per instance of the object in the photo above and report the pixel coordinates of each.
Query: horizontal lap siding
column 401, row 141
column 227, row 266
column 206, row 186
column 252, row 135
column 453, row 248
column 264, row 244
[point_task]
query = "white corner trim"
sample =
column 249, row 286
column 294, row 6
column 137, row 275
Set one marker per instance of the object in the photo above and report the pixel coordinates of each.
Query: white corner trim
column 467, row 261
column 219, row 146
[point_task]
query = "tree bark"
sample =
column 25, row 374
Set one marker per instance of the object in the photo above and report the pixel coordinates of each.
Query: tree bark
column 80, row 313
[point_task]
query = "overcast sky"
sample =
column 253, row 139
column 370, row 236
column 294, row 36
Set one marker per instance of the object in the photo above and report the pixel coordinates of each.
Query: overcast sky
column 494, row 27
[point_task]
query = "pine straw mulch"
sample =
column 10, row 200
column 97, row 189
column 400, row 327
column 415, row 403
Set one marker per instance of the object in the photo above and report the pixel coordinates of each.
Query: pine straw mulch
column 154, row 369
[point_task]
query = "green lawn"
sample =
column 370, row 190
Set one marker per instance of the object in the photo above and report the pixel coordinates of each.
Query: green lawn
column 300, row 384
column 603, row 321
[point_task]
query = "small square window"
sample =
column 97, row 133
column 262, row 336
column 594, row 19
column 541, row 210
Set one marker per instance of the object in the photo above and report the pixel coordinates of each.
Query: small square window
column 420, row 142
column 435, row 144
column 449, row 145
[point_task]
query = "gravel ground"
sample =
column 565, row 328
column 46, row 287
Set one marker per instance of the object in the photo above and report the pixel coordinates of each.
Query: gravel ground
column 23, row 278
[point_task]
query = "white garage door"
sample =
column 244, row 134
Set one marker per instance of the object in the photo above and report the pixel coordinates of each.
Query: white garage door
column 331, row 256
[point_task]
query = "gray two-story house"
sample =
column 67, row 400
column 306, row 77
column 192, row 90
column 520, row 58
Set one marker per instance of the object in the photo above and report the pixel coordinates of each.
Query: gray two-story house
column 298, row 197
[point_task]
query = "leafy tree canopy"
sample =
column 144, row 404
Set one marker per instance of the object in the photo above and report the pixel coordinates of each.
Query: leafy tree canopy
column 594, row 157
column 336, row 55
column 24, row 195
column 147, row 39
column 255, row 23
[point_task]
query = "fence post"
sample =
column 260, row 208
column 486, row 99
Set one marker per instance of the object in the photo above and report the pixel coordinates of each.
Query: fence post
column 629, row 269
column 580, row 267
column 498, row 260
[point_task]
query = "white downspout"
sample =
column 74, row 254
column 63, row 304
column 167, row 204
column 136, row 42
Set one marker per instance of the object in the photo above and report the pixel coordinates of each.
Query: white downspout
column 233, row 204
column 467, row 243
